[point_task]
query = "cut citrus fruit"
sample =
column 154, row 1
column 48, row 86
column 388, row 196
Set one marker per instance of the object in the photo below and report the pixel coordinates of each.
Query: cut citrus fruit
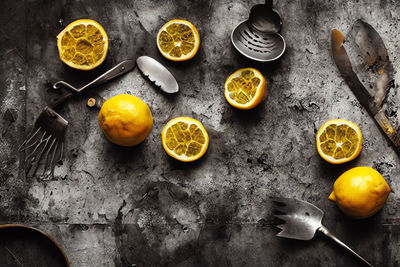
column 184, row 139
column 83, row 44
column 245, row 88
column 339, row 141
column 178, row 40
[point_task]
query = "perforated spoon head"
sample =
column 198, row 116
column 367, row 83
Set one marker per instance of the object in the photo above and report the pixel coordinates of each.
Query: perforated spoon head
column 264, row 19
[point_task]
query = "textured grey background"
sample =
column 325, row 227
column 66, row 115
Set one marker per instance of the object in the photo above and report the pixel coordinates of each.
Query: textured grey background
column 113, row 206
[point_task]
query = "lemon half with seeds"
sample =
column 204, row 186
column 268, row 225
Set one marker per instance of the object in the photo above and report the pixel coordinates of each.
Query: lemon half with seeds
column 245, row 88
column 178, row 40
column 339, row 141
column 83, row 44
column 185, row 139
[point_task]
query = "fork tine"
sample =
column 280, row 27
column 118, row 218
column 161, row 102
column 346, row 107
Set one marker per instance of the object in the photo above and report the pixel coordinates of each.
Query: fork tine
column 283, row 217
column 36, row 162
column 61, row 152
column 47, row 154
column 31, row 155
column 31, row 135
column 283, row 233
column 53, row 163
column 281, row 226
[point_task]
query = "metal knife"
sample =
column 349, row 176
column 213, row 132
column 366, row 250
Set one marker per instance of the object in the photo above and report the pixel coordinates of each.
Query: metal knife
column 158, row 74
column 376, row 56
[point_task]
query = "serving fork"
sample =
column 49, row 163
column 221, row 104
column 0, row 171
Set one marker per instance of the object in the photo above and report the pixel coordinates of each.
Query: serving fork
column 45, row 143
column 302, row 221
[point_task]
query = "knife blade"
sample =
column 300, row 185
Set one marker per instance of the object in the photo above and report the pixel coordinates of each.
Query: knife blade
column 158, row 74
column 375, row 65
column 373, row 106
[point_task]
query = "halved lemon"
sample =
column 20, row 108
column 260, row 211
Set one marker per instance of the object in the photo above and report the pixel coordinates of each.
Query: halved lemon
column 83, row 44
column 178, row 40
column 339, row 141
column 184, row 139
column 245, row 88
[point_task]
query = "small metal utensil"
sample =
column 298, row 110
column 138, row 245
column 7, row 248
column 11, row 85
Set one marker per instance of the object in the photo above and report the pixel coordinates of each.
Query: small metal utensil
column 302, row 220
column 264, row 19
column 257, row 46
column 46, row 141
column 116, row 71
column 257, row 38
column 158, row 74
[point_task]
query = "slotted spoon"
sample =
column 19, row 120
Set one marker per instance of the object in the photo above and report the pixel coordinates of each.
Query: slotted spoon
column 257, row 38
column 302, row 221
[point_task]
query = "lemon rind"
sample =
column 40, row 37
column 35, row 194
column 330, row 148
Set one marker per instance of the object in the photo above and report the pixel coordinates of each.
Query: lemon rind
column 257, row 99
column 196, row 36
column 188, row 120
column 84, row 22
column 331, row 159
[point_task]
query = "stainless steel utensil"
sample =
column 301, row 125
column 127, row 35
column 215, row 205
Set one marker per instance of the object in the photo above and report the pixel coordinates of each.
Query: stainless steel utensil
column 45, row 141
column 158, row 74
column 375, row 70
column 257, row 46
column 45, row 144
column 264, row 19
column 258, row 38
column 116, row 71
column 302, row 220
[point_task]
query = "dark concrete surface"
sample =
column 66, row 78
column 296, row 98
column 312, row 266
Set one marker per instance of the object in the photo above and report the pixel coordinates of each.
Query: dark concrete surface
column 113, row 206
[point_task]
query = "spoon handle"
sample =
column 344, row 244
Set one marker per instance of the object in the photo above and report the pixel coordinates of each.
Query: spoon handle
column 269, row 3
column 334, row 238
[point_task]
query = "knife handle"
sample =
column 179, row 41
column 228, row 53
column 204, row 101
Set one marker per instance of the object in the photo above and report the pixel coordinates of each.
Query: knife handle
column 388, row 129
column 116, row 71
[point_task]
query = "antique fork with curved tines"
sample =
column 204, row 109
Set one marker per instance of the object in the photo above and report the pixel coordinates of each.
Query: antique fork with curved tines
column 302, row 221
column 45, row 144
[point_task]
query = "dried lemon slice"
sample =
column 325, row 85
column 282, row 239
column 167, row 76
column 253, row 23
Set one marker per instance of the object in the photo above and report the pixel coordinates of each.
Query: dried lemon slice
column 245, row 88
column 184, row 139
column 339, row 141
column 178, row 40
column 83, row 44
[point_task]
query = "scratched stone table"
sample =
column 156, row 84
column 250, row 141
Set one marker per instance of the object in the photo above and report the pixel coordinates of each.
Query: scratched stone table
column 114, row 206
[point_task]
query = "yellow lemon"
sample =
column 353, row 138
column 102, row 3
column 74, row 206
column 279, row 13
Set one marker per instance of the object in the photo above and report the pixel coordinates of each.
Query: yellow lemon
column 178, row 40
column 184, row 139
column 245, row 88
column 339, row 141
column 83, row 44
column 125, row 120
column 360, row 192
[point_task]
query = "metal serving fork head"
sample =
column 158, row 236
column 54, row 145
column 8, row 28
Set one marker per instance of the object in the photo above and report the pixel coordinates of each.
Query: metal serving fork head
column 45, row 143
column 302, row 221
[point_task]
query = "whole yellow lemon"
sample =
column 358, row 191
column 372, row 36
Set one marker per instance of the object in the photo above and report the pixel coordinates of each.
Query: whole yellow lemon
column 360, row 192
column 125, row 120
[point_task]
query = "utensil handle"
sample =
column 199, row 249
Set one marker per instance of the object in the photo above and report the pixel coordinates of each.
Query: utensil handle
column 118, row 70
column 388, row 129
column 269, row 3
column 334, row 238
